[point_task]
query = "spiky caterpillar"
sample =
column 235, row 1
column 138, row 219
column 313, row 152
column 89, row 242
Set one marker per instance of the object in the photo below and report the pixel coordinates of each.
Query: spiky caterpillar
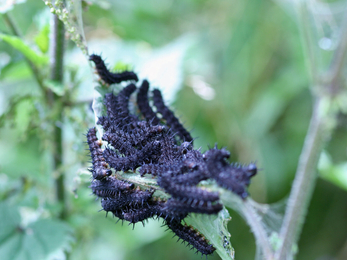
column 158, row 169
column 104, row 121
column 109, row 77
column 143, row 104
column 190, row 178
column 110, row 187
column 233, row 177
column 119, row 143
column 191, row 236
column 137, row 138
column 186, row 207
column 236, row 178
column 141, row 214
column 159, row 151
column 133, row 198
column 122, row 109
column 190, row 193
column 110, row 102
column 169, row 116
column 100, row 168
column 133, row 161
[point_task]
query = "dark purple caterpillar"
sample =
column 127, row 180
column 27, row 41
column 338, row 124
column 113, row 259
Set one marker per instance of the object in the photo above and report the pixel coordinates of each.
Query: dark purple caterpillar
column 119, row 143
column 169, row 116
column 100, row 168
column 143, row 103
column 192, row 237
column 109, row 77
column 233, row 177
column 141, row 214
column 137, row 138
column 131, row 199
column 188, row 193
column 110, row 187
column 133, row 161
column 185, row 207
column 154, row 142
column 158, row 169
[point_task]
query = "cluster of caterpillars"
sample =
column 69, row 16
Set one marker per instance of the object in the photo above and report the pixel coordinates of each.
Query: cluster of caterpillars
column 152, row 141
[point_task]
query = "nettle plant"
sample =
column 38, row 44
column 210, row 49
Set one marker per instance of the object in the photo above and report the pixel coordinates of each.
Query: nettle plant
column 156, row 144
column 144, row 163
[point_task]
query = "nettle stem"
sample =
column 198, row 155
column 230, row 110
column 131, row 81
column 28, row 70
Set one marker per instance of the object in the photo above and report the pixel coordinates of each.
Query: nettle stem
column 56, row 74
column 303, row 184
column 326, row 87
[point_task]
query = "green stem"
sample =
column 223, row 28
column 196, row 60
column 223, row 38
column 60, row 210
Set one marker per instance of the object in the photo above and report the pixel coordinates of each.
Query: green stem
column 303, row 184
column 337, row 63
column 32, row 66
column 258, row 230
column 306, row 173
column 56, row 74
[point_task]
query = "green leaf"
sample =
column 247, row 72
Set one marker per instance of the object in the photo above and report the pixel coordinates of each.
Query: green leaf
column 121, row 66
column 9, row 221
column 6, row 6
column 42, row 39
column 214, row 227
column 18, row 43
column 55, row 86
column 34, row 242
column 336, row 174
column 44, row 229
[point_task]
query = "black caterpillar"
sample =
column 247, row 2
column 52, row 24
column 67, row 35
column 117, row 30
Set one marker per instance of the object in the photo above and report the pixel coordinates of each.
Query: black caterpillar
column 109, row 77
column 155, row 142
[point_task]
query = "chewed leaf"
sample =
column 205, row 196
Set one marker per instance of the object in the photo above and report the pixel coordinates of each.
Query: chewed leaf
column 214, row 227
column 18, row 43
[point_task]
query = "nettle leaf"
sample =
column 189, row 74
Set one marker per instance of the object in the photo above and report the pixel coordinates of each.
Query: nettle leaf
column 214, row 228
column 34, row 242
column 14, row 103
column 42, row 39
column 329, row 171
column 55, row 86
column 17, row 43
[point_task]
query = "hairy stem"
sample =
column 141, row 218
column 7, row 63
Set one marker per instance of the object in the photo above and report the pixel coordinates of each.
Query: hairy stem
column 337, row 63
column 303, row 184
column 56, row 74
column 258, row 230
column 306, row 174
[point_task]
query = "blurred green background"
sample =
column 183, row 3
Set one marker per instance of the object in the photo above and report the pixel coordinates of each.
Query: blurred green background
column 234, row 71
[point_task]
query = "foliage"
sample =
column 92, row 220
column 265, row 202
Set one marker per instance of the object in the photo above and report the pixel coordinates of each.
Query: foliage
column 33, row 241
column 237, row 76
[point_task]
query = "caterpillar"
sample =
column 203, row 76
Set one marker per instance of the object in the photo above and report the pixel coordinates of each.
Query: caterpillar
column 126, row 199
column 186, row 192
column 152, row 140
column 110, row 187
column 233, row 177
column 109, row 77
column 143, row 104
column 100, row 168
column 185, row 207
column 192, row 237
column 169, row 116
column 133, row 161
